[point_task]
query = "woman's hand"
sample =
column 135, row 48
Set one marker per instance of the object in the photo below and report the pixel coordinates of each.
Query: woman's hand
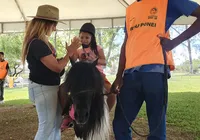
column 75, row 44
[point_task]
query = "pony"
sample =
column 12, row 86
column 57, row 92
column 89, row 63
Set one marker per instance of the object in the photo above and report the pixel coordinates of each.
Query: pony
column 83, row 87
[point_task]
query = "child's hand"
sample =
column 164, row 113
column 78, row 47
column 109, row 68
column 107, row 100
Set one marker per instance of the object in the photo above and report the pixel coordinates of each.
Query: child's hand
column 91, row 58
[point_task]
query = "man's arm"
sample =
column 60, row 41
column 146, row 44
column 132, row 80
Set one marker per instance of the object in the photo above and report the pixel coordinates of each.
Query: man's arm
column 187, row 8
column 7, row 66
column 122, row 59
column 8, row 70
column 191, row 31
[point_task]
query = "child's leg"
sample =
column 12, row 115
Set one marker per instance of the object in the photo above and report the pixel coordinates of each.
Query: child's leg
column 112, row 97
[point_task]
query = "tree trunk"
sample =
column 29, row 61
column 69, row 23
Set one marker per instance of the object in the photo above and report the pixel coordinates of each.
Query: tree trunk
column 111, row 44
column 190, row 56
column 188, row 45
column 190, row 53
column 99, row 36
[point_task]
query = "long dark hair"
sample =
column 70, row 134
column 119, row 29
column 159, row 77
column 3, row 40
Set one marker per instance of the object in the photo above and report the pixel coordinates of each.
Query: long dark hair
column 93, row 45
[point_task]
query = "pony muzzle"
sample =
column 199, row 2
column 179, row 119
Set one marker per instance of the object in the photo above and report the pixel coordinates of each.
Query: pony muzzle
column 81, row 117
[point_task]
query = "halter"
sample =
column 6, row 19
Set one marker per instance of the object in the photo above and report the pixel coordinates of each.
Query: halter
column 81, row 92
column 88, row 91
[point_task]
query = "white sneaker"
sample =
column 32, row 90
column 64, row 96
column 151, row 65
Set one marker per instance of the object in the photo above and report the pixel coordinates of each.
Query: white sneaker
column 2, row 102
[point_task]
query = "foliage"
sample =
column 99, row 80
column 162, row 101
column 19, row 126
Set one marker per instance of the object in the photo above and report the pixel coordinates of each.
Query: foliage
column 110, row 39
column 185, row 66
column 11, row 45
column 192, row 46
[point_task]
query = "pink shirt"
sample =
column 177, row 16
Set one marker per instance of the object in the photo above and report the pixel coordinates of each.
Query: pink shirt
column 87, row 51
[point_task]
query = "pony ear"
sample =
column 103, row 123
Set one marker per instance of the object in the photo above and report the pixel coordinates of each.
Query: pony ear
column 71, row 61
column 95, row 62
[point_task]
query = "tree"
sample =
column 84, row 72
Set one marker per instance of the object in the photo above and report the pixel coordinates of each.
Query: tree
column 192, row 42
column 58, row 39
column 184, row 67
column 11, row 45
column 111, row 40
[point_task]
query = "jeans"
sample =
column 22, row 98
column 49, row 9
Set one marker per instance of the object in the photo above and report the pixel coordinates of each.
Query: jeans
column 137, row 88
column 48, row 110
column 1, row 90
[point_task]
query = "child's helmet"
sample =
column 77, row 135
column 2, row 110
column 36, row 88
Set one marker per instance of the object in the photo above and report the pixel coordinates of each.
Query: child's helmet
column 88, row 27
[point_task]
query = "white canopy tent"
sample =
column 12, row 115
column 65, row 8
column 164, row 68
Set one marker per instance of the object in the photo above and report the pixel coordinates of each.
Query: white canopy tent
column 102, row 13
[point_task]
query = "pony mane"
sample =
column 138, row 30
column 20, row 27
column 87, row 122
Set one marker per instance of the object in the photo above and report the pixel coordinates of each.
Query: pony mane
column 85, row 76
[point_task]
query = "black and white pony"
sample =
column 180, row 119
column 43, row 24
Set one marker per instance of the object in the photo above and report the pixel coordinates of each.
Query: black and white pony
column 84, row 88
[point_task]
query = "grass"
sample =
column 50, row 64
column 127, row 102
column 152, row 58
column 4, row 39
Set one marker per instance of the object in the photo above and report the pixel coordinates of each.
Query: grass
column 16, row 96
column 184, row 83
column 183, row 107
column 183, row 103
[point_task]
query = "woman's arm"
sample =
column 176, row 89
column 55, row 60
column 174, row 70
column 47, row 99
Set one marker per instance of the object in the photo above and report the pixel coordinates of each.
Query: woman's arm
column 75, row 56
column 57, row 66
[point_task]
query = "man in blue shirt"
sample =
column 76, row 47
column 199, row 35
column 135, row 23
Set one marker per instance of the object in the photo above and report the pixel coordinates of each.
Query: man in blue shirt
column 130, row 95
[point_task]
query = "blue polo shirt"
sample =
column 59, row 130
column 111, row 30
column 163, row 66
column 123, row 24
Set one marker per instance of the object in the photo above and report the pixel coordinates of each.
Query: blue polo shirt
column 175, row 9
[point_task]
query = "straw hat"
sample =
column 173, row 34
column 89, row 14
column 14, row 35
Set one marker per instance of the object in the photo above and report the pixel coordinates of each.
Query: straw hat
column 47, row 12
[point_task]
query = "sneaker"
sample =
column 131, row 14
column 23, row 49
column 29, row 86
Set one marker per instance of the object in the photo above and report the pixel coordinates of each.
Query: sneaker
column 2, row 102
column 66, row 123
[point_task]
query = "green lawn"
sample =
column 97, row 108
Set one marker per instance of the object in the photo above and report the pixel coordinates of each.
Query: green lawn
column 16, row 96
column 183, row 109
column 184, row 103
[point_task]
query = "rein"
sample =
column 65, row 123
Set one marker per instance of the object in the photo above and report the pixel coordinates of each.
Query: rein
column 164, row 102
column 92, row 91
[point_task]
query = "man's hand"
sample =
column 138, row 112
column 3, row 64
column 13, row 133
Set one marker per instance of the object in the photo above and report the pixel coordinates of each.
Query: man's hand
column 117, row 84
column 167, row 44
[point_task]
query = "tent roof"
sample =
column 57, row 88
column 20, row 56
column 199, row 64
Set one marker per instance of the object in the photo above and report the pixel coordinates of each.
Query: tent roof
column 103, row 13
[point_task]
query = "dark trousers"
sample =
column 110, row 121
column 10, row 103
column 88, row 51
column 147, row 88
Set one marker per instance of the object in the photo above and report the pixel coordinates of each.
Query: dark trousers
column 1, row 89
column 137, row 88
